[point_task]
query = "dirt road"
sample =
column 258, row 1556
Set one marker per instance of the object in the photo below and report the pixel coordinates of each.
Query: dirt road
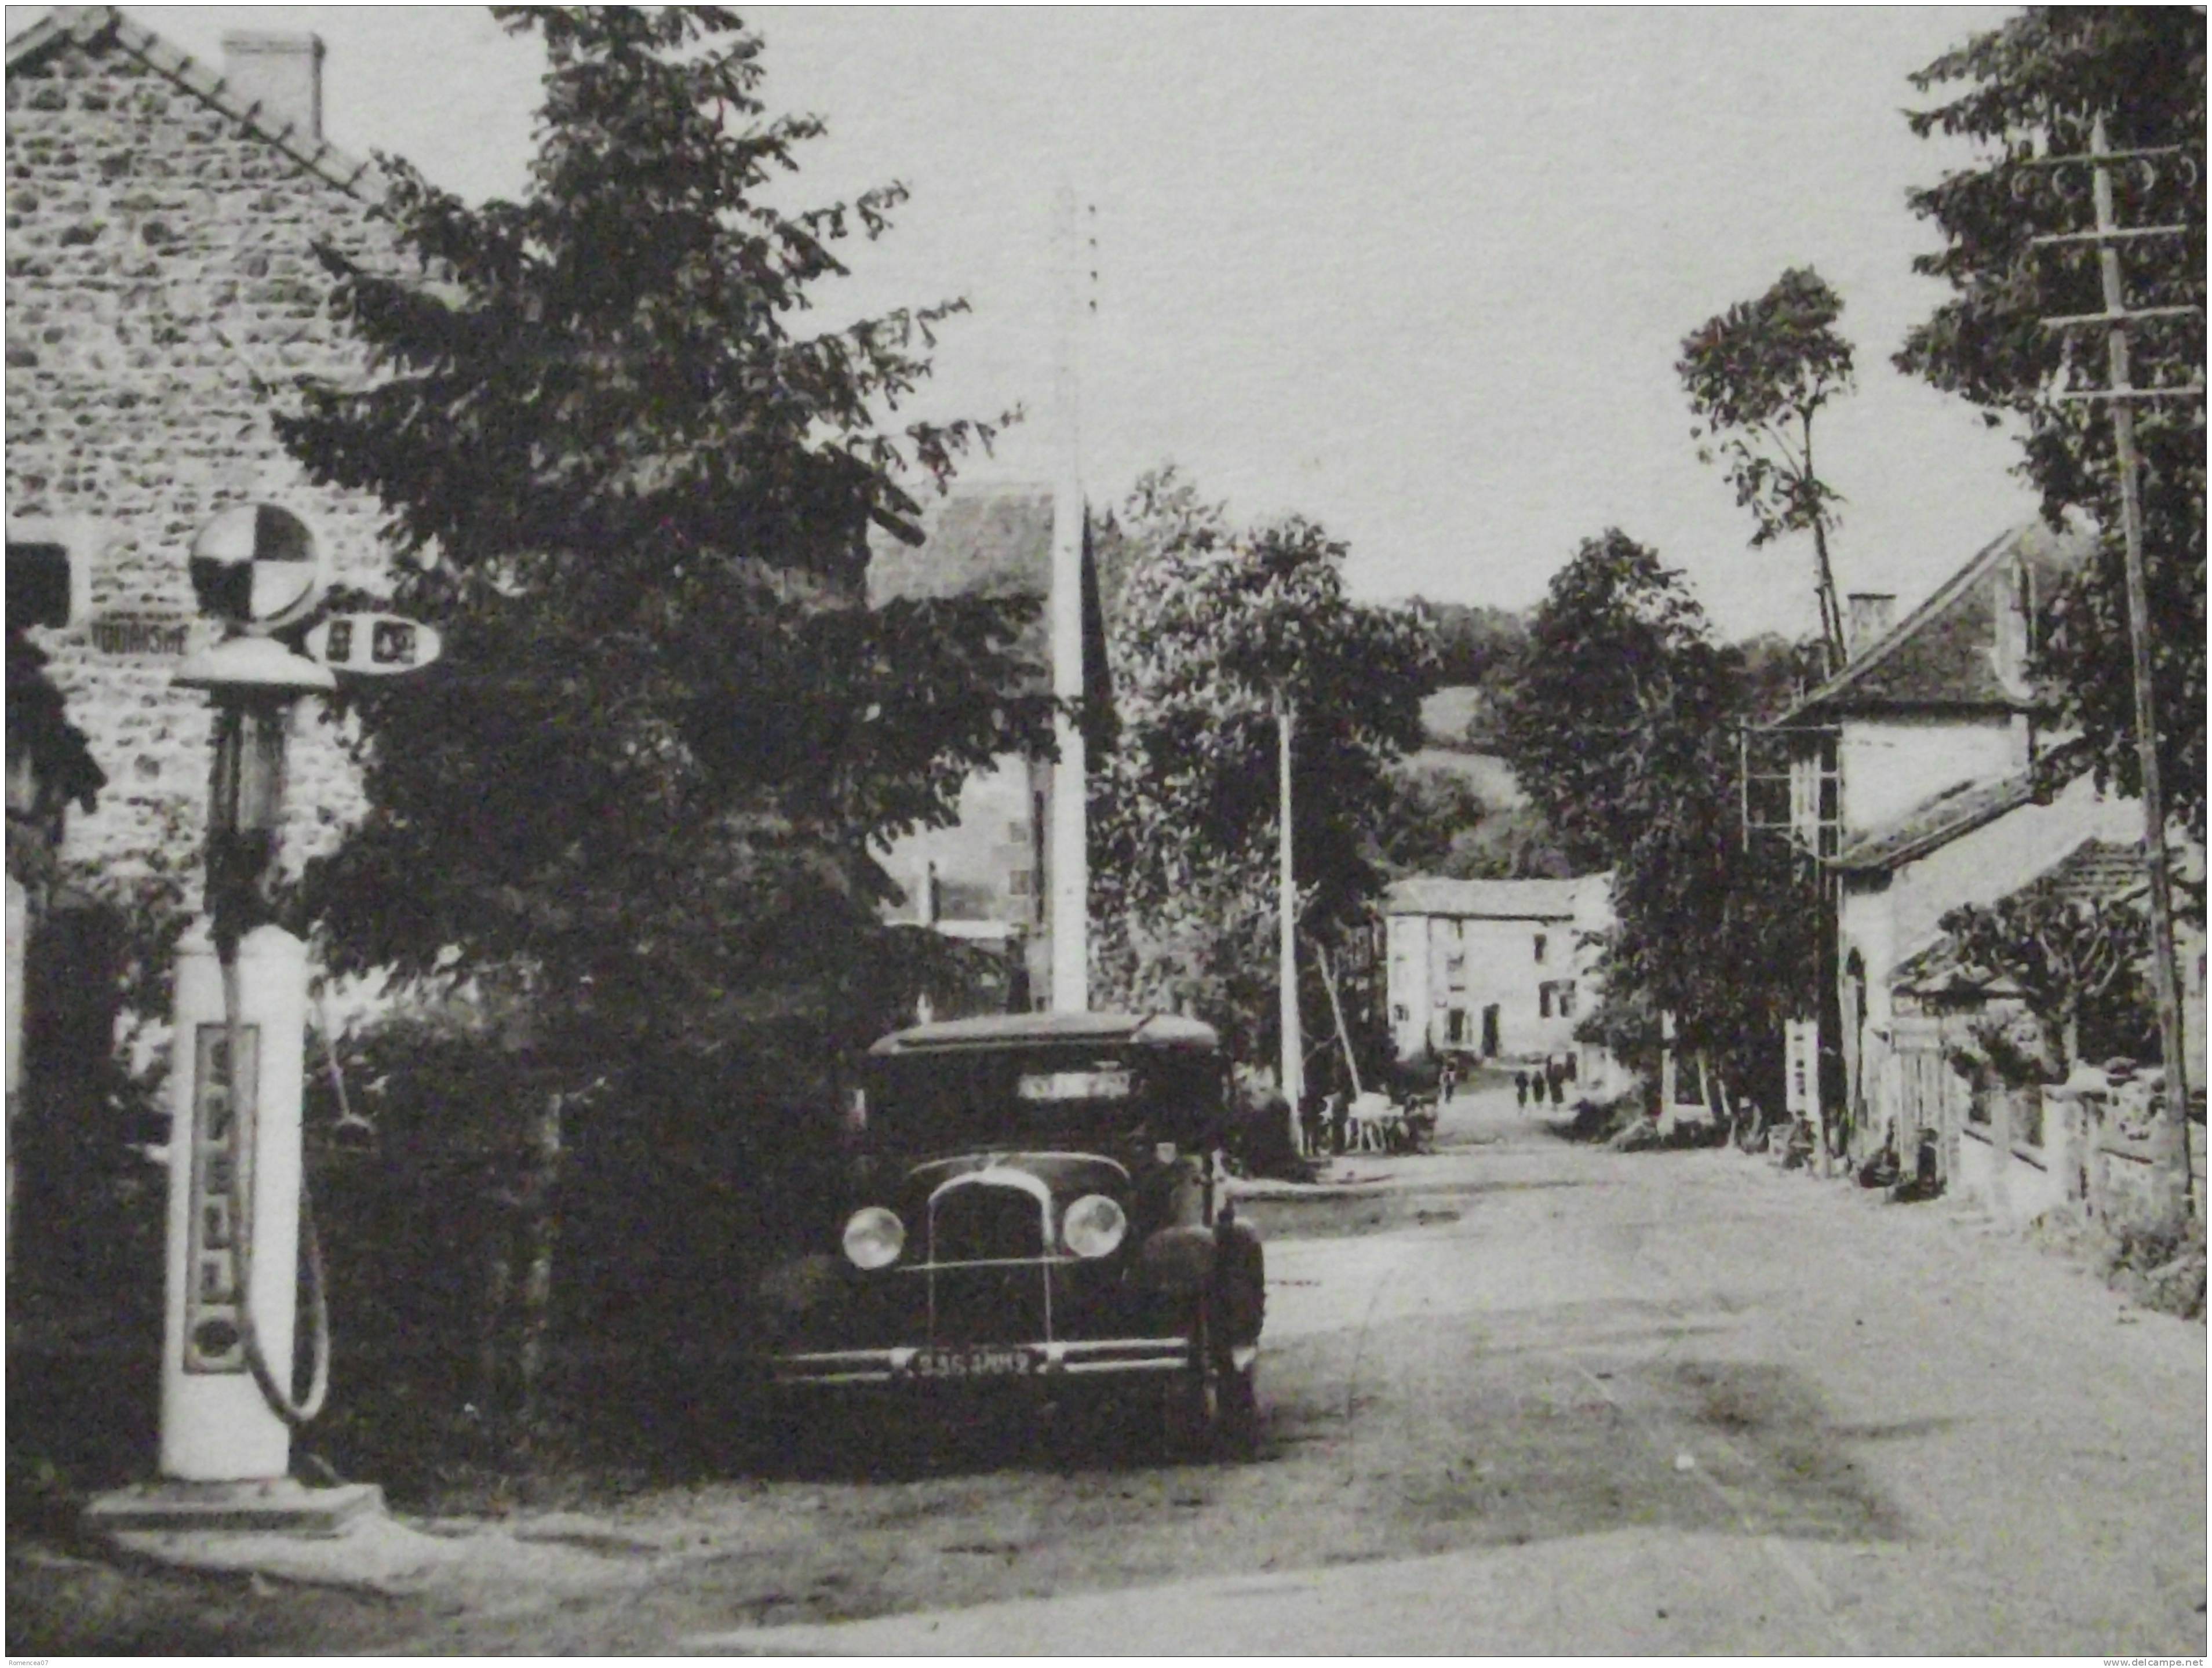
column 1523, row 1397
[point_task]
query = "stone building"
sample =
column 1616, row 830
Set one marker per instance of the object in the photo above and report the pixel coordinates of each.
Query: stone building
column 987, row 878
column 1926, row 774
column 1491, row 968
column 162, row 293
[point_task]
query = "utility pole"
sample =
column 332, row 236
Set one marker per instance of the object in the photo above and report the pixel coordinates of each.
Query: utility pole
column 1071, row 865
column 1294, row 1076
column 2120, row 392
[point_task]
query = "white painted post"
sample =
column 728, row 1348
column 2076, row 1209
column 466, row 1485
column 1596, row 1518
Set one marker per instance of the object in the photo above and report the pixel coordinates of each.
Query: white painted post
column 1294, row 1075
column 1071, row 866
column 217, row 1425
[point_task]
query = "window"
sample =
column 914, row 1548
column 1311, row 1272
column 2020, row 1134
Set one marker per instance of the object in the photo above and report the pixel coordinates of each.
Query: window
column 1017, row 883
column 1555, row 999
column 38, row 582
column 1567, row 999
column 1455, row 1025
column 1542, row 945
column 1544, row 1001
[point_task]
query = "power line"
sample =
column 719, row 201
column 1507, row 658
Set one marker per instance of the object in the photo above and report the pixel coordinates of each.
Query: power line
column 2121, row 394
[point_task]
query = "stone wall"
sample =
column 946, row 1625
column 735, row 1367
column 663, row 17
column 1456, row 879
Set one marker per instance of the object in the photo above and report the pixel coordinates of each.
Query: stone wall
column 163, row 292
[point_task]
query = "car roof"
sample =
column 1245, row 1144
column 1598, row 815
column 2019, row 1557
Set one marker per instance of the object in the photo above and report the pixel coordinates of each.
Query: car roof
column 1001, row 1029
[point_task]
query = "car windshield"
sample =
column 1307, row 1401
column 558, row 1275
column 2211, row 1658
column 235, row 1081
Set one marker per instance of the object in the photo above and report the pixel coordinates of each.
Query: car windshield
column 1088, row 1096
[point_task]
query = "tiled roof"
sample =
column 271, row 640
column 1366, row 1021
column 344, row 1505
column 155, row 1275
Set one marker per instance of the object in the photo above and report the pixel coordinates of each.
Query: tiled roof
column 976, row 541
column 1947, row 653
column 1498, row 900
column 89, row 26
column 990, row 541
column 2100, row 873
column 1958, row 810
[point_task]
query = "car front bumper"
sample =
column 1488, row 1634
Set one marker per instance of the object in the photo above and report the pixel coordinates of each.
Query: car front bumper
column 922, row 1365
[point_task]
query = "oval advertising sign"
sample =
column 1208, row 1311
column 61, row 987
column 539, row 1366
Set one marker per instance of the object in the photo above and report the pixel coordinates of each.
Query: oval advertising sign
column 376, row 644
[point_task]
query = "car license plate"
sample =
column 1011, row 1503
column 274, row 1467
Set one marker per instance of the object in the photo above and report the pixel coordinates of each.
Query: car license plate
column 976, row 1361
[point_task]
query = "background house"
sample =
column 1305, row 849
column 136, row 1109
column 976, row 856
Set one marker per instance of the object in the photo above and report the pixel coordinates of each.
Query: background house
column 1494, row 969
column 986, row 880
column 1924, row 774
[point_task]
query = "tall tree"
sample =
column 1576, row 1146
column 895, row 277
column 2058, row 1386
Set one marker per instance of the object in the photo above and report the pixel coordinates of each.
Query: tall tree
column 1213, row 623
column 2029, row 91
column 1618, row 646
column 1757, row 376
column 644, row 787
column 1473, row 641
column 636, row 494
column 1620, row 722
column 1428, row 823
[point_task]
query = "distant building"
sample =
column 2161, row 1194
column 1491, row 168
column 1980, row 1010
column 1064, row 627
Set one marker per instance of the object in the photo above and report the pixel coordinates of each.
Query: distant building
column 986, row 880
column 1490, row 969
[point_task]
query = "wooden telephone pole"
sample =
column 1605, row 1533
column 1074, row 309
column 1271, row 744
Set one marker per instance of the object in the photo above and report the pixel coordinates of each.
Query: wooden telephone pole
column 2120, row 392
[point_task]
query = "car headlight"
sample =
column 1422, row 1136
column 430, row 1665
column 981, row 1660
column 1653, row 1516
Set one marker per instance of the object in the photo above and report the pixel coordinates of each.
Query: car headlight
column 874, row 1237
column 1093, row 1226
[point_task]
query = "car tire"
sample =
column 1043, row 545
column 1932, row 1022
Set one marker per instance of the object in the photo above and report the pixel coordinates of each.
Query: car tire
column 1212, row 1407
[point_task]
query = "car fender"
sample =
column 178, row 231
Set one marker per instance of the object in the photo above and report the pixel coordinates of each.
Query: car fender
column 1178, row 1260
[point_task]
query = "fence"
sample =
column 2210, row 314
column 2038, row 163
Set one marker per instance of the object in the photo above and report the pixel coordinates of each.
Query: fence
column 2022, row 1152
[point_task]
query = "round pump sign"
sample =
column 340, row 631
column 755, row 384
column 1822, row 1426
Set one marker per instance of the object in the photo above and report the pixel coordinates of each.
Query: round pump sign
column 257, row 567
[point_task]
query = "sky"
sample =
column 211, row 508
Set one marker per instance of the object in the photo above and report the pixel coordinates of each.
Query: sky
column 1419, row 275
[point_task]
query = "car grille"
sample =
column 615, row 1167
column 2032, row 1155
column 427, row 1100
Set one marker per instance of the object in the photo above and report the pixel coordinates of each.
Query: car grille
column 984, row 1224
column 981, row 1223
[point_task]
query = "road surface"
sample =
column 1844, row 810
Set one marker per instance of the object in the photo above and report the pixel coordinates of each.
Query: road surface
column 1525, row 1397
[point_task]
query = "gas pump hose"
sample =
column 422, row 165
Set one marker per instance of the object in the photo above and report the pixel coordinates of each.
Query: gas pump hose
column 274, row 1390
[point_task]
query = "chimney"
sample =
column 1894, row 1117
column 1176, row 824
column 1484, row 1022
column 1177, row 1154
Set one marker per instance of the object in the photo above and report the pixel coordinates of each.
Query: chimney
column 1871, row 613
column 281, row 73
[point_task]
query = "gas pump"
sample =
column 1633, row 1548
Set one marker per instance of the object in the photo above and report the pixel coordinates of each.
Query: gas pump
column 235, row 1192
column 236, row 1198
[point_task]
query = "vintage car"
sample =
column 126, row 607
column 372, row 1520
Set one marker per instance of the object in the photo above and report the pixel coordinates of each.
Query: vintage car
column 1036, row 1204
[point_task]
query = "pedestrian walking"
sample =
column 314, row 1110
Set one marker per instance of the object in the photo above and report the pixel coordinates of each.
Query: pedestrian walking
column 1558, row 1079
column 1521, row 1088
column 1337, row 1120
column 1447, row 1079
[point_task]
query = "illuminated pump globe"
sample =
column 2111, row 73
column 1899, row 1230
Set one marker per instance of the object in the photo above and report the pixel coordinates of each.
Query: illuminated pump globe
column 257, row 567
